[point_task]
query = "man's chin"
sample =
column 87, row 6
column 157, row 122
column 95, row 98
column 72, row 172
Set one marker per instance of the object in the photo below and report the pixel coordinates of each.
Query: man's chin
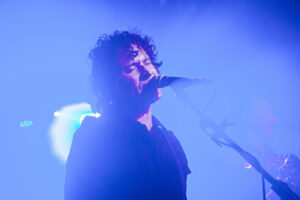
column 157, row 97
column 158, row 94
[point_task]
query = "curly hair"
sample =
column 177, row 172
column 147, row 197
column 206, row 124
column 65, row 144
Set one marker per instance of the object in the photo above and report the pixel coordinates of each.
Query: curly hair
column 104, row 56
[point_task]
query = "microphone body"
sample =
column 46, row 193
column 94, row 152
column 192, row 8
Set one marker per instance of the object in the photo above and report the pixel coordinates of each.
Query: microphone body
column 177, row 82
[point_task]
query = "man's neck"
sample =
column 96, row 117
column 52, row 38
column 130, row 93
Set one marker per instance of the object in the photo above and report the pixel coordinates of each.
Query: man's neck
column 145, row 118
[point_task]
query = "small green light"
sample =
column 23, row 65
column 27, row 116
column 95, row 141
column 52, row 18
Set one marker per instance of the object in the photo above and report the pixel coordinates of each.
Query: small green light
column 26, row 124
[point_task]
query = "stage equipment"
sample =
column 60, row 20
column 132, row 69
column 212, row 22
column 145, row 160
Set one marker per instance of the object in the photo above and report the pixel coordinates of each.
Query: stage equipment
column 217, row 133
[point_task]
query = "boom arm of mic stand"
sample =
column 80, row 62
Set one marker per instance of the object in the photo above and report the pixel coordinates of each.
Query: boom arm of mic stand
column 281, row 188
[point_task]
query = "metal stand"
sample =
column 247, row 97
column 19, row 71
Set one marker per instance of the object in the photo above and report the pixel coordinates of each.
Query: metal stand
column 219, row 136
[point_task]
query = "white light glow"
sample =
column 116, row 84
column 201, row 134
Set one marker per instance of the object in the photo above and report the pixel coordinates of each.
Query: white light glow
column 66, row 121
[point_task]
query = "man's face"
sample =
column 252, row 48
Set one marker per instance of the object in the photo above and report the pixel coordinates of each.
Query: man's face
column 136, row 72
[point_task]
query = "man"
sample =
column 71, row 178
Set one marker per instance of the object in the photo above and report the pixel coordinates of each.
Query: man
column 260, row 123
column 126, row 153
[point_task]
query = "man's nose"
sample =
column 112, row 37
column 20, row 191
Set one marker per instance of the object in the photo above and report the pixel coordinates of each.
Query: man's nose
column 145, row 73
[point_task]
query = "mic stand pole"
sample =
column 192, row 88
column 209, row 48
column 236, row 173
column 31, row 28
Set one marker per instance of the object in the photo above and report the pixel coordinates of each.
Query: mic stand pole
column 280, row 187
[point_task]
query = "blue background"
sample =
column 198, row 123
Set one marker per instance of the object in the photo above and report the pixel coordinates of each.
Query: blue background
column 250, row 49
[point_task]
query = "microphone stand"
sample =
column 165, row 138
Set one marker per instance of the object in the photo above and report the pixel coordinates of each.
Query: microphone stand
column 218, row 133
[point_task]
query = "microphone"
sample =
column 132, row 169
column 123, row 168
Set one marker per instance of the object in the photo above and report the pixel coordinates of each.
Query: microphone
column 177, row 82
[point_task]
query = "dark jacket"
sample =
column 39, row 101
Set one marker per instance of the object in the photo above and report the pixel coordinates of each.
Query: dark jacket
column 120, row 159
